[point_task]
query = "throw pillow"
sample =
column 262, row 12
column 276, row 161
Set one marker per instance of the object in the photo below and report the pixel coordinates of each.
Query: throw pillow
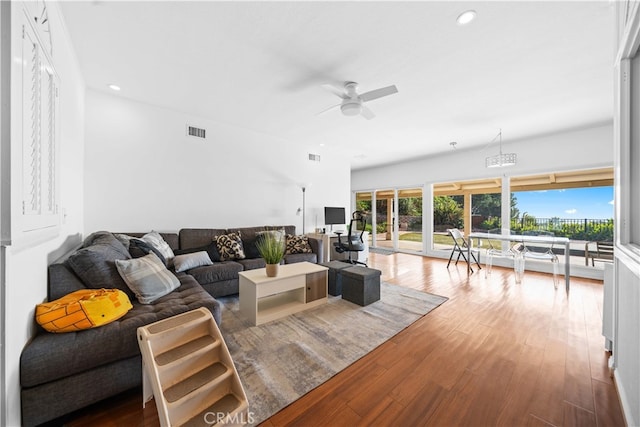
column 124, row 239
column 189, row 261
column 250, row 248
column 155, row 240
column 147, row 277
column 298, row 245
column 83, row 309
column 139, row 248
column 94, row 264
column 278, row 234
column 229, row 246
column 211, row 249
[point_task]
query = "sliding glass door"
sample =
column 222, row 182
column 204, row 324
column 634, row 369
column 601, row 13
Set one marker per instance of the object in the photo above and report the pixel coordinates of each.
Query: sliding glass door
column 364, row 204
column 383, row 233
column 410, row 219
column 394, row 218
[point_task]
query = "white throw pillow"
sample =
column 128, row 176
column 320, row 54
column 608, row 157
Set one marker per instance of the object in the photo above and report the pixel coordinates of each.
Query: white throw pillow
column 188, row 261
column 155, row 239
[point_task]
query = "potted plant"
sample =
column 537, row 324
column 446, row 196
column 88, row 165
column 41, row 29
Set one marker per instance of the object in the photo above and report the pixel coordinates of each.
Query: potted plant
column 270, row 246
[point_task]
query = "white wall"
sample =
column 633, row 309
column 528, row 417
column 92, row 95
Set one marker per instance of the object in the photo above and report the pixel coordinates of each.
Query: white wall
column 26, row 265
column 571, row 150
column 142, row 172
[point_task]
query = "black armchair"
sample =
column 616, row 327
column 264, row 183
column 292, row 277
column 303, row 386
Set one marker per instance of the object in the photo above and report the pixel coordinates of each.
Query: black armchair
column 354, row 242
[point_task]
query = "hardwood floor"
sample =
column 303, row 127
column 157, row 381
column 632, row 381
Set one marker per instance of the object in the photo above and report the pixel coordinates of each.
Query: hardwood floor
column 496, row 353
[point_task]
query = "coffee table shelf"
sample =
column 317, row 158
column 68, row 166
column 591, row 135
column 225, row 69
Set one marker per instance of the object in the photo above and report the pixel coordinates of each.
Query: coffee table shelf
column 297, row 287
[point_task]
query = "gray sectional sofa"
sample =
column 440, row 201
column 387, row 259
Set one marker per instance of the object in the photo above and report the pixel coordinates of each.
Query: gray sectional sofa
column 221, row 278
column 60, row 373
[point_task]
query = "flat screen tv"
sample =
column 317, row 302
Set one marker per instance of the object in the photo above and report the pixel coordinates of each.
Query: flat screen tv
column 334, row 216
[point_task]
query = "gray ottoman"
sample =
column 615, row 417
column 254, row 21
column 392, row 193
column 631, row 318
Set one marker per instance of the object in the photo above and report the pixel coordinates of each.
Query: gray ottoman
column 360, row 285
column 335, row 278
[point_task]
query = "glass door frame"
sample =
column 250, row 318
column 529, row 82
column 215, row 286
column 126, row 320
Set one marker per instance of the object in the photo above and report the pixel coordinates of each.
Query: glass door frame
column 394, row 215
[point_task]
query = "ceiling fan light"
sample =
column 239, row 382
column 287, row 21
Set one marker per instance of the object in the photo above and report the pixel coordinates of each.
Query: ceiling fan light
column 351, row 108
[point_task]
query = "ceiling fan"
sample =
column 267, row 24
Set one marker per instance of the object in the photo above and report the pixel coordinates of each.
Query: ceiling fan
column 353, row 103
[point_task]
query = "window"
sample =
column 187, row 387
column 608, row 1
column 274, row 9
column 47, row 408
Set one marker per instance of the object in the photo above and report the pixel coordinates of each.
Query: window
column 37, row 183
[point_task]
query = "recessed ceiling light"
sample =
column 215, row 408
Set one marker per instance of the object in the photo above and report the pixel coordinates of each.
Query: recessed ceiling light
column 114, row 87
column 465, row 17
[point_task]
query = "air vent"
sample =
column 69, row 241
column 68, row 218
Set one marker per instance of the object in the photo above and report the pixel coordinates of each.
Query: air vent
column 197, row 132
column 314, row 157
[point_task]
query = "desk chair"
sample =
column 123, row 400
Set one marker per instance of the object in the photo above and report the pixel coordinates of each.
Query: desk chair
column 460, row 247
column 354, row 242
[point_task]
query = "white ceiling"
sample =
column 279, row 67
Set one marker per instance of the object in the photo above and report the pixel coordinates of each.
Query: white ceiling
column 527, row 68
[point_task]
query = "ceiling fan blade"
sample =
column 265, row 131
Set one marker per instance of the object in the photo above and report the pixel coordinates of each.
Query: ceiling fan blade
column 379, row 93
column 367, row 113
column 328, row 109
column 334, row 90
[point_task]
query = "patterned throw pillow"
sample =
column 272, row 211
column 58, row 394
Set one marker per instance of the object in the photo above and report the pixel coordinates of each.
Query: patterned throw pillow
column 229, row 246
column 298, row 245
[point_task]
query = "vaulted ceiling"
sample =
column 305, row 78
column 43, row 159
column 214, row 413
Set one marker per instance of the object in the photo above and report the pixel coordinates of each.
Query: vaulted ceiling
column 527, row 68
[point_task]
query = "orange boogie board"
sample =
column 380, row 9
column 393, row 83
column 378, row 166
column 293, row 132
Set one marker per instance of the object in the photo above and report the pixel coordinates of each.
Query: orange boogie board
column 83, row 309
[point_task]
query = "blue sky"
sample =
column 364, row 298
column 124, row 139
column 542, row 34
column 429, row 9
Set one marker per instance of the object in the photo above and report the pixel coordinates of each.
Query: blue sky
column 574, row 203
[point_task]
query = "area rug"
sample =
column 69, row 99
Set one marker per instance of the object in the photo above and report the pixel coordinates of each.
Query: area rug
column 382, row 251
column 280, row 361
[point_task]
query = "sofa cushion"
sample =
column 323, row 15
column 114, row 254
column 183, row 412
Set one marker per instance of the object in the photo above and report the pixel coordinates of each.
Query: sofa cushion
column 198, row 237
column 188, row 261
column 147, row 277
column 252, row 263
column 249, row 232
column 50, row 357
column 227, row 270
column 230, row 246
column 293, row 258
column 297, row 245
column 61, row 281
column 95, row 262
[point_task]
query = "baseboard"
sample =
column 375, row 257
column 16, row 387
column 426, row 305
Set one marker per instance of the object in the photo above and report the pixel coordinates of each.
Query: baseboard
column 624, row 401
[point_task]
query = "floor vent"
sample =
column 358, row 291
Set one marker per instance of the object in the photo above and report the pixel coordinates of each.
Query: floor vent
column 314, row 157
column 194, row 131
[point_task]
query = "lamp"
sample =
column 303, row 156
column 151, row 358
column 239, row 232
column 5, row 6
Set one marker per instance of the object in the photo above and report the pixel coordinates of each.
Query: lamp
column 304, row 210
column 502, row 159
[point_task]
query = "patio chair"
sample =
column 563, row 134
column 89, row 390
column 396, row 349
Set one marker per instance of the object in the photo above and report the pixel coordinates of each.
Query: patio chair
column 544, row 253
column 460, row 246
column 602, row 253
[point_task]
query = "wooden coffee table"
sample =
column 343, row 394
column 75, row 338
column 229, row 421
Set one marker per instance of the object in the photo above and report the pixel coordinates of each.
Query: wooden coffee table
column 297, row 287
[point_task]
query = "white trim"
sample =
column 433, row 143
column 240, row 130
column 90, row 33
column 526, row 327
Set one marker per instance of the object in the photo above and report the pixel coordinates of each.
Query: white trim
column 627, row 249
column 624, row 400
